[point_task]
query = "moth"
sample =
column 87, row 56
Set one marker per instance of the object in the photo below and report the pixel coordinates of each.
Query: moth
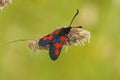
column 64, row 36
column 60, row 37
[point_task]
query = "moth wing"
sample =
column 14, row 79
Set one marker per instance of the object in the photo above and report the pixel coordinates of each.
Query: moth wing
column 45, row 40
column 56, row 47
column 48, row 38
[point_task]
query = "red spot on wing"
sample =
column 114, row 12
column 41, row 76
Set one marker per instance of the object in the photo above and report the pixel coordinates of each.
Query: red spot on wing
column 45, row 38
column 48, row 37
column 57, row 46
column 63, row 38
column 56, row 52
column 57, row 31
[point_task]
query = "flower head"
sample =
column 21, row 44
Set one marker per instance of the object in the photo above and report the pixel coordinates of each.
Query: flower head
column 77, row 36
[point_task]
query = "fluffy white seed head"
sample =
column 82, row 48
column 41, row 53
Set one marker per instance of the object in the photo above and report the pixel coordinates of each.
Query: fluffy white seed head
column 77, row 36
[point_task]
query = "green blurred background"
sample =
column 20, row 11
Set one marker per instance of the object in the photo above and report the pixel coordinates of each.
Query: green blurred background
column 98, row 60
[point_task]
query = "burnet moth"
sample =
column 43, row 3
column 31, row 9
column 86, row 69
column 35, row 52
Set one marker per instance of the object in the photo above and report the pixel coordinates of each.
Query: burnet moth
column 64, row 36
column 58, row 38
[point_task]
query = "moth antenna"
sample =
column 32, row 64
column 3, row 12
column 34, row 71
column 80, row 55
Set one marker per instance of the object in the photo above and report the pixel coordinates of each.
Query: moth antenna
column 74, row 17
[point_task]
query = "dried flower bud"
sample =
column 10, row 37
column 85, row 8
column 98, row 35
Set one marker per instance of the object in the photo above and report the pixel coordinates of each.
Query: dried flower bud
column 33, row 45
